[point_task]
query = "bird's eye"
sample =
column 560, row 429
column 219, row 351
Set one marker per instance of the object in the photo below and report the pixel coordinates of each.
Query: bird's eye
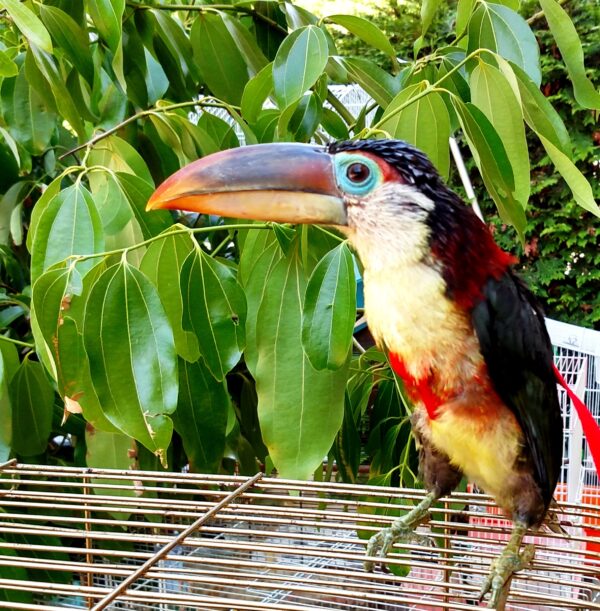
column 358, row 172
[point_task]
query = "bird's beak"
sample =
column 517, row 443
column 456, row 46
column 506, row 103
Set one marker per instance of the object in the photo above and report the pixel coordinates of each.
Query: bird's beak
column 286, row 183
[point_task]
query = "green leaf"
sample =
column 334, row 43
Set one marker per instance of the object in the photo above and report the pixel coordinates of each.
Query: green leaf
column 50, row 192
column 260, row 253
column 34, row 123
column 8, row 202
column 538, row 112
column 464, row 10
column 107, row 15
column 29, row 24
column 201, row 416
column 296, row 429
column 132, row 356
column 365, row 30
column 138, row 192
column 299, row 62
column 8, row 67
column 222, row 65
column 306, row 117
column 256, row 92
column 246, row 44
column 68, row 224
column 490, row 157
column 64, row 103
column 424, row 123
column 580, row 187
column 72, row 39
column 32, row 399
column 376, row 82
column 330, row 310
column 118, row 155
column 58, row 299
column 214, row 308
column 162, row 263
column 334, row 125
column 505, row 32
column 492, row 93
column 428, row 10
column 568, row 42
column 176, row 40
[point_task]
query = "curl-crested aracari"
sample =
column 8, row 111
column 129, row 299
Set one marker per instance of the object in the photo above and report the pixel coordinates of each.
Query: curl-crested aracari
column 461, row 330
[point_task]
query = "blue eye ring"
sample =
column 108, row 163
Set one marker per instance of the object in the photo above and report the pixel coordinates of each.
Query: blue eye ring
column 357, row 174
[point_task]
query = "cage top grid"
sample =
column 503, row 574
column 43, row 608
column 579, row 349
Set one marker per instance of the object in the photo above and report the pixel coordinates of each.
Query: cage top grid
column 70, row 537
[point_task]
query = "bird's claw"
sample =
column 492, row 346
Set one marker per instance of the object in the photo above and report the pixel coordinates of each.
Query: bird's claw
column 382, row 542
column 501, row 572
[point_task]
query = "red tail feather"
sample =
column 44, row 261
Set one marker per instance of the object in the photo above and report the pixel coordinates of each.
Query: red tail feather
column 588, row 422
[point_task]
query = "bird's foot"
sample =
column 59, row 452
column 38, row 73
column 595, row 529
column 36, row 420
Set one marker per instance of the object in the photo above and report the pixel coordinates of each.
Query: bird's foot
column 381, row 543
column 402, row 529
column 502, row 571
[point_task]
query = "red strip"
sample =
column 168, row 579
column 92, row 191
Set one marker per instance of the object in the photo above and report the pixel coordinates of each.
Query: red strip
column 588, row 422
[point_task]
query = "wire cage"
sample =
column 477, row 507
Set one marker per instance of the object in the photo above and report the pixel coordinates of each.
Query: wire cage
column 101, row 539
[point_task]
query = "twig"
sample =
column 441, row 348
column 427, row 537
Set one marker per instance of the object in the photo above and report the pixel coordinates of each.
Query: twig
column 18, row 342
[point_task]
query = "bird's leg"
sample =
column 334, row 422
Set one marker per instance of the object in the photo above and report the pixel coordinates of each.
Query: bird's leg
column 503, row 568
column 402, row 529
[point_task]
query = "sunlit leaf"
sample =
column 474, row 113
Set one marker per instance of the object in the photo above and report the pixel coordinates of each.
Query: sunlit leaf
column 365, row 30
column 107, row 15
column 424, row 123
column 579, row 185
column 299, row 62
column 375, row 81
column 9, row 362
column 256, row 92
column 330, row 310
column 568, row 42
column 492, row 93
column 69, row 224
column 505, row 32
column 29, row 24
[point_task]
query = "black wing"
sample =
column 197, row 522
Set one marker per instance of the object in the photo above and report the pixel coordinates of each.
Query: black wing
column 517, row 350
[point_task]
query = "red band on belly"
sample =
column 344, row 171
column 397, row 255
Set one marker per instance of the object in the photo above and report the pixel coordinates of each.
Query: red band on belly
column 419, row 390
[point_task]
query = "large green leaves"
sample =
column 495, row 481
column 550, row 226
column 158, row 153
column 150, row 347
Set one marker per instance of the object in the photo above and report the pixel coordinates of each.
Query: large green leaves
column 330, row 310
column 9, row 362
column 67, row 224
column 492, row 93
column 299, row 62
column 568, row 42
column 500, row 29
column 298, row 428
column 423, row 122
column 131, row 353
column 214, row 308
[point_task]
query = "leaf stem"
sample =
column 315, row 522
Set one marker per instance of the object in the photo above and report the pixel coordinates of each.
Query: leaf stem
column 74, row 259
column 139, row 115
column 18, row 342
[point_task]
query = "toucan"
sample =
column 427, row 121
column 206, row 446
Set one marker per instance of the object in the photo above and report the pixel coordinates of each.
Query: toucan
column 460, row 328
